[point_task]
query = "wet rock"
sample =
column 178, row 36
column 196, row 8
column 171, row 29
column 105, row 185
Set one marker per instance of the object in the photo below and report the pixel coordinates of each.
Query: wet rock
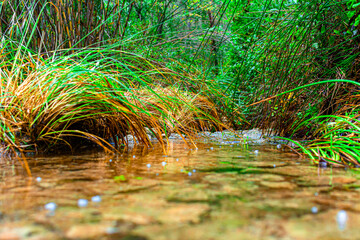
column 183, row 213
column 95, row 231
column 188, row 195
column 272, row 178
column 9, row 235
column 280, row 185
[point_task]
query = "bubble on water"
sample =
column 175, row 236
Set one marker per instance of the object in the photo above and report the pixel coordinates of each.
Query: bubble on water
column 148, row 165
column 314, row 209
column 82, row 202
column 278, row 146
column 189, row 173
column 110, row 160
column 134, row 156
column 50, row 206
column 163, row 163
column 211, row 148
column 341, row 219
column 194, row 170
column 177, row 159
column 96, row 199
column 256, row 151
column 38, row 179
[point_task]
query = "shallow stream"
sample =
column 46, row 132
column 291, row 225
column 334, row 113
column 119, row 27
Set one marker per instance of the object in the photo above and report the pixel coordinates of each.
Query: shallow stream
column 218, row 191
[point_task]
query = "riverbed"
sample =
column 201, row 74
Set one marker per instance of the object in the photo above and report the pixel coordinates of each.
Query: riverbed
column 216, row 190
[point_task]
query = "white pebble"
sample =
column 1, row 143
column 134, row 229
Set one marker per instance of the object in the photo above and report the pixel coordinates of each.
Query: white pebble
column 314, row 209
column 256, row 151
column 211, row 148
column 38, row 179
column 134, row 156
column 96, row 198
column 194, row 170
column 341, row 219
column 278, row 146
column 177, row 159
column 82, row 202
column 274, row 165
column 148, row 165
column 163, row 163
column 189, row 173
column 50, row 206
column 110, row 160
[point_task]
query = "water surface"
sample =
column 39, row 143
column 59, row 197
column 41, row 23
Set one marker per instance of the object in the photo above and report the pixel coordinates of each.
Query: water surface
column 213, row 192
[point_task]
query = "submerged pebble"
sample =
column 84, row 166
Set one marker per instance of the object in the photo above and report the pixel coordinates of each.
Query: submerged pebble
column 82, row 202
column 96, row 198
column 50, row 206
column 314, row 209
column 38, row 179
column 189, row 173
column 341, row 219
column 148, row 165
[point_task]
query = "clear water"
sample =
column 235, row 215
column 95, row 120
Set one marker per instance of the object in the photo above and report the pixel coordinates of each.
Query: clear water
column 213, row 192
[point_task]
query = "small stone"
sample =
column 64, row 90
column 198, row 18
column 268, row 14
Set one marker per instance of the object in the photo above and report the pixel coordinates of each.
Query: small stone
column 163, row 163
column 194, row 170
column 110, row 160
column 256, row 152
column 50, row 206
column 278, row 146
column 96, row 199
column 211, row 148
column 274, row 165
column 134, row 156
column 148, row 165
column 177, row 159
column 38, row 179
column 316, row 194
column 82, row 202
column 314, row 209
column 189, row 173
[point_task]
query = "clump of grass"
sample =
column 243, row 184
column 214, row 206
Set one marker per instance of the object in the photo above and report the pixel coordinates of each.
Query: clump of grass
column 99, row 96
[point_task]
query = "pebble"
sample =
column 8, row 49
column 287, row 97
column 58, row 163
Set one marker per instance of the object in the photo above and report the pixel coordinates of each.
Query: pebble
column 278, row 146
column 50, row 206
column 189, row 173
column 134, row 156
column 316, row 194
column 194, row 170
column 110, row 160
column 256, row 151
column 96, row 199
column 163, row 163
column 38, row 179
column 314, row 209
column 211, row 148
column 177, row 159
column 82, row 202
column 148, row 165
column 274, row 165
column 341, row 219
